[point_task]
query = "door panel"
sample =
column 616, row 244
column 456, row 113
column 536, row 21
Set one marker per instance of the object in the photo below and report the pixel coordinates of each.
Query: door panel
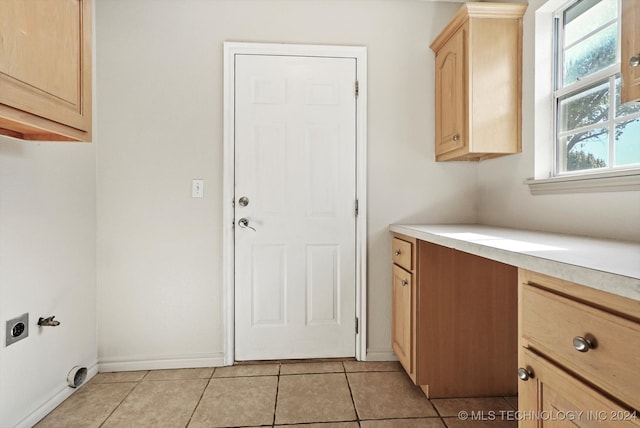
column 295, row 162
column 323, row 284
column 269, row 283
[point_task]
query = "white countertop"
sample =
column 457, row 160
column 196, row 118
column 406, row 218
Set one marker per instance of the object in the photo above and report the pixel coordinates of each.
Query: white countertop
column 608, row 265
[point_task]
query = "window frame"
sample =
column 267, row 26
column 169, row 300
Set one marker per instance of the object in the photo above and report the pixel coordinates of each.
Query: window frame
column 538, row 52
column 561, row 92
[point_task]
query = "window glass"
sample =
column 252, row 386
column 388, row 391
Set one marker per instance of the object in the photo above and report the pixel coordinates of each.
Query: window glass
column 625, row 109
column 592, row 16
column 627, row 143
column 584, row 108
column 585, row 150
column 590, row 55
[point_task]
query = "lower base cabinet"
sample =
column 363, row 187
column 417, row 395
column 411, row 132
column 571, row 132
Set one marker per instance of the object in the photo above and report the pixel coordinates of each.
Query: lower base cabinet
column 579, row 359
column 402, row 343
column 466, row 326
column 550, row 397
column 454, row 320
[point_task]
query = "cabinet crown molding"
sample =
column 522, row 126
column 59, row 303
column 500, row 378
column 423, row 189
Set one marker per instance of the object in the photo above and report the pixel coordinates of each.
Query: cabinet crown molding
column 478, row 10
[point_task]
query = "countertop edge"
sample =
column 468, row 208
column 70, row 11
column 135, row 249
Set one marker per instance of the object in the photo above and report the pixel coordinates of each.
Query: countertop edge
column 613, row 283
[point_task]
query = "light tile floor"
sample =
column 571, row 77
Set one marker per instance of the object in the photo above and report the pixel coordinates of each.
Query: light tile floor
column 327, row 394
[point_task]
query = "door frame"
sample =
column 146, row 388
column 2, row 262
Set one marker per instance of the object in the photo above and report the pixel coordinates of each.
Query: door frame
column 359, row 53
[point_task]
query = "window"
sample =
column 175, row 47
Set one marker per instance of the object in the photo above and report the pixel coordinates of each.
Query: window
column 593, row 132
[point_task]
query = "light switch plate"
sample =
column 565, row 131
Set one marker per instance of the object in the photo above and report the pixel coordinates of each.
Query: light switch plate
column 197, row 188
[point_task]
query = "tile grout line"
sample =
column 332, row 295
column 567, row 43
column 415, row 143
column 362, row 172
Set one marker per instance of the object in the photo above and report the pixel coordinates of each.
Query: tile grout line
column 123, row 400
column 444, row 421
column 509, row 403
column 353, row 401
column 275, row 404
column 200, row 399
column 435, row 408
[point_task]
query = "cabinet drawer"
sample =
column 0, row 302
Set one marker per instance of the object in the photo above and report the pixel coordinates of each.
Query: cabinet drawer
column 552, row 323
column 402, row 253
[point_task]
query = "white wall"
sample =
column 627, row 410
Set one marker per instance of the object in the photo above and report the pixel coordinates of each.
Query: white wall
column 159, row 76
column 506, row 201
column 47, row 267
column 159, row 251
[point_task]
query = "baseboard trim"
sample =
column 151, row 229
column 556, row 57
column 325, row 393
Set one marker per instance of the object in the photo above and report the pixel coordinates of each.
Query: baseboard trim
column 60, row 394
column 159, row 363
column 381, row 355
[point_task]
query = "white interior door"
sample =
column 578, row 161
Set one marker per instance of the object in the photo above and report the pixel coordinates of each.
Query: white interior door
column 295, row 229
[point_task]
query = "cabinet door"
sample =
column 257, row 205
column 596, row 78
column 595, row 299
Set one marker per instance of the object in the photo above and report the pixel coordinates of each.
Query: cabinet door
column 553, row 398
column 630, row 51
column 451, row 94
column 45, row 62
column 401, row 332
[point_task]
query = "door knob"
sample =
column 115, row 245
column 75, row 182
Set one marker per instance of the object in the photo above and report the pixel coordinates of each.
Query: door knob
column 582, row 344
column 524, row 374
column 634, row 61
column 244, row 223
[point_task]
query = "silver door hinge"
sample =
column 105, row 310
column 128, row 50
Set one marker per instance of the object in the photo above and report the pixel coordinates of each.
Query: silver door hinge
column 357, row 325
column 357, row 88
column 356, row 208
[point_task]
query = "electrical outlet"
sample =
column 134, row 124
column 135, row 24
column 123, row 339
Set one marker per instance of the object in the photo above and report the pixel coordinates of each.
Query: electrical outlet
column 17, row 329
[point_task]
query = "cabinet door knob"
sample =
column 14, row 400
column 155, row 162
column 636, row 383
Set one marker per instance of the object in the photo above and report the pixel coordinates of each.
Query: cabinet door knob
column 397, row 253
column 582, row 344
column 634, row 61
column 524, row 374
column 456, row 137
column 405, row 282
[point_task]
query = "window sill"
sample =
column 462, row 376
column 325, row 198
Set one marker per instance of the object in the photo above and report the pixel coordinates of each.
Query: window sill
column 615, row 181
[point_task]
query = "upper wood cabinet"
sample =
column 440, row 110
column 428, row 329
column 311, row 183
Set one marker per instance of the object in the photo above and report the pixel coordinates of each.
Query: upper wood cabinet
column 478, row 69
column 45, row 69
column 630, row 66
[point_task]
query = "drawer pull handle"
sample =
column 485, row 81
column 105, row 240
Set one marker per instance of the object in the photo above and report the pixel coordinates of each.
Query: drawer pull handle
column 397, row 253
column 405, row 282
column 582, row 344
column 524, row 374
column 456, row 137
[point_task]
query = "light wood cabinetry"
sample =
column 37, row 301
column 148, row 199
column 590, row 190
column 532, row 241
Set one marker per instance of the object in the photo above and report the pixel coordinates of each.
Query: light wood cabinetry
column 578, row 353
column 45, row 69
column 403, row 298
column 454, row 321
column 554, row 398
column 403, row 342
column 478, row 83
column 451, row 132
column 630, row 66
